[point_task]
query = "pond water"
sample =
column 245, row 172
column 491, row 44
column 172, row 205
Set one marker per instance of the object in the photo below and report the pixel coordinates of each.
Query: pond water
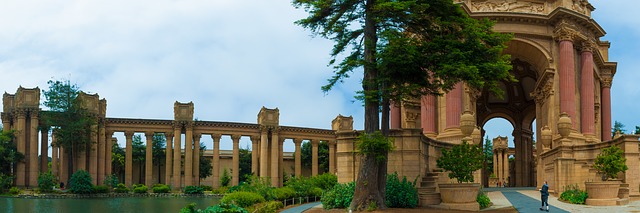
column 100, row 205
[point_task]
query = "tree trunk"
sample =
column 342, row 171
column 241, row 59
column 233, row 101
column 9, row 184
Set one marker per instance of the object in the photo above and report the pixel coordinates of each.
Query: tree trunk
column 367, row 191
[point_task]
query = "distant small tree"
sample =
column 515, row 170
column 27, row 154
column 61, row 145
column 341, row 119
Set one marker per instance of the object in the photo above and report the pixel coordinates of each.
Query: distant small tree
column 617, row 127
column 226, row 178
column 139, row 155
column 117, row 161
column 46, row 182
column 461, row 161
column 488, row 155
column 245, row 164
column 205, row 163
column 610, row 162
column 158, row 151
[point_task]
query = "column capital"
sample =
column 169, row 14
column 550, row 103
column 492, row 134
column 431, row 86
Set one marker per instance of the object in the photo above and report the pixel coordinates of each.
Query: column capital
column 255, row 139
column 149, row 134
column 128, row 134
column 587, row 46
column 236, row 138
column 216, row 137
column 34, row 113
column 332, row 142
column 606, row 82
column 20, row 113
column 314, row 142
column 197, row 135
column 168, row 134
column 297, row 141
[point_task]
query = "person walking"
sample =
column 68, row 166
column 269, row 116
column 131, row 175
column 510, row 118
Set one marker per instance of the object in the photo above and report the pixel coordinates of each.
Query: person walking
column 544, row 192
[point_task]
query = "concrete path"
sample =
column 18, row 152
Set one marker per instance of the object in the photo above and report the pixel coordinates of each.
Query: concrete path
column 301, row 208
column 524, row 203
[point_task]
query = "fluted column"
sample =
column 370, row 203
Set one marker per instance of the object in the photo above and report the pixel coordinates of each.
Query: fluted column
column 298, row 157
column 281, row 161
column 188, row 157
column 33, row 150
column 235, row 179
column 506, row 164
column 567, row 77
column 428, row 114
column 93, row 155
column 102, row 151
column 587, row 110
column 495, row 162
column 21, row 136
column 395, row 116
column 275, row 177
column 148, row 170
column 254, row 154
column 196, row 158
column 332, row 157
column 216, row 159
column 168, row 157
column 454, row 106
column 264, row 154
column 44, row 149
column 177, row 155
column 109, row 150
column 501, row 167
column 128, row 165
column 314, row 157
column 606, row 108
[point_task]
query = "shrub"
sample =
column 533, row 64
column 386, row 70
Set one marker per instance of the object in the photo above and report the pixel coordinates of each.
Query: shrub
column 338, row 197
column 46, row 182
column 14, row 191
column 207, row 188
column 225, row 208
column 161, row 188
column 6, row 182
column 573, row 194
column 225, row 179
column 461, row 161
column 139, row 189
column 268, row 207
column 243, row 199
column 283, row 193
column 192, row 190
column 121, row 188
column 190, row 208
column 256, row 184
column 400, row 194
column 324, row 181
column 111, row 181
column 221, row 190
column 101, row 189
column 80, row 183
column 301, row 185
column 610, row 162
column 483, row 199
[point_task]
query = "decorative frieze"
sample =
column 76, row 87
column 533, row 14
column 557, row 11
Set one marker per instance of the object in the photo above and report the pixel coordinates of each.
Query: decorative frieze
column 508, row 6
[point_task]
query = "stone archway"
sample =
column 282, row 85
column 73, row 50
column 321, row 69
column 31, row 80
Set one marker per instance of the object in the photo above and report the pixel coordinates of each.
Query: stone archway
column 519, row 108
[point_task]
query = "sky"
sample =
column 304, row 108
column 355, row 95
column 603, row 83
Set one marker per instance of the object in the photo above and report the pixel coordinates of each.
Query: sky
column 229, row 57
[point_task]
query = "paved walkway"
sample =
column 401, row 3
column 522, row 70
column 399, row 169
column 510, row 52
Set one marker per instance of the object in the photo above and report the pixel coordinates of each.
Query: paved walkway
column 301, row 208
column 525, row 204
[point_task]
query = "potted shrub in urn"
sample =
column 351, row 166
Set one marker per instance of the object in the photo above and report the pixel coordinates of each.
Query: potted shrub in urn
column 461, row 161
column 609, row 163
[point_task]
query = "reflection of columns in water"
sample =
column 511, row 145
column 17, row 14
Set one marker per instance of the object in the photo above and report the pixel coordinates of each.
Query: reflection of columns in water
column 216, row 159
column 298, row 160
column 235, row 179
column 128, row 166
column 177, row 155
column 254, row 154
column 196, row 158
column 148, row 172
column 168, row 157
column 314, row 157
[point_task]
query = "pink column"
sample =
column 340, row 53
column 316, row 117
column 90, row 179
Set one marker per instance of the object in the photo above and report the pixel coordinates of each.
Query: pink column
column 395, row 117
column 587, row 110
column 454, row 106
column 606, row 109
column 428, row 114
column 567, row 79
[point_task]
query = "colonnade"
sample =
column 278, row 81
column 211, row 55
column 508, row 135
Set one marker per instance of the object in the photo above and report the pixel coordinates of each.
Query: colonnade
column 501, row 159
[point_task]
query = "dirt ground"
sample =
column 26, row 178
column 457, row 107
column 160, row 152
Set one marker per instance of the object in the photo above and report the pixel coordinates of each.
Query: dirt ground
column 416, row 210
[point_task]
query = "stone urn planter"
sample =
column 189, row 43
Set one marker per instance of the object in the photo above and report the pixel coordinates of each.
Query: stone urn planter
column 459, row 192
column 602, row 193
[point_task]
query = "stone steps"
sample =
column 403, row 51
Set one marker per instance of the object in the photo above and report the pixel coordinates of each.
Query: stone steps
column 427, row 192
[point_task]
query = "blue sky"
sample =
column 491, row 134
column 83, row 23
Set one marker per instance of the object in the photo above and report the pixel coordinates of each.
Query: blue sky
column 229, row 57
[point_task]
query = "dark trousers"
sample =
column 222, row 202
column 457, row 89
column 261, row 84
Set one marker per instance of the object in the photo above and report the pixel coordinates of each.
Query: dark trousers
column 545, row 200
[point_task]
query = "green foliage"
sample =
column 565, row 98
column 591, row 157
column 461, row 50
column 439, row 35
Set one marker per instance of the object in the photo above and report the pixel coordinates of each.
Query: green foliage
column 637, row 132
column 160, row 188
column 121, row 188
column 243, row 199
column 487, row 151
column 220, row 190
column 324, row 181
column 610, row 162
column 192, row 190
column 483, row 200
column 226, row 178
column 206, row 188
column 190, row 208
column 268, row 207
column 283, row 193
column 117, row 160
column 573, row 194
column 225, row 208
column 81, row 183
column 401, row 194
column 304, row 187
column 46, row 182
column 6, row 182
column 140, row 188
column 15, row 191
column 100, row 189
column 339, row 197
column 323, row 156
column 139, row 150
column 9, row 156
column 461, row 161
column 618, row 127
column 158, row 151
column 256, row 184
column 375, row 144
column 111, row 181
column 245, row 164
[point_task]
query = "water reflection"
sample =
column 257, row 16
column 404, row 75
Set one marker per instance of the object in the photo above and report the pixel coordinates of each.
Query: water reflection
column 99, row 205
